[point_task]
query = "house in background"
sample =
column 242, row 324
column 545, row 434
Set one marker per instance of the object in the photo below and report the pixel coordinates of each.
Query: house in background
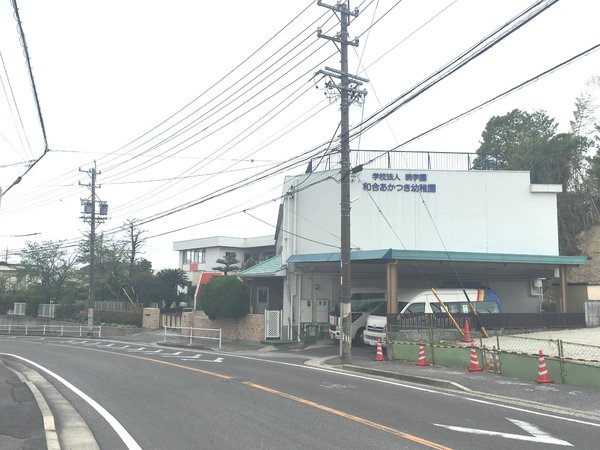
column 10, row 279
column 198, row 256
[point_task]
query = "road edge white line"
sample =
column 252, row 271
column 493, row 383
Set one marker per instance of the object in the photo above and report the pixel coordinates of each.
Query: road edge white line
column 127, row 439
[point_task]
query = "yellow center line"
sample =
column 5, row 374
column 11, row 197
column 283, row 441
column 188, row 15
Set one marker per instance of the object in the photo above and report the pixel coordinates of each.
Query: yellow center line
column 301, row 400
column 369, row 423
column 144, row 358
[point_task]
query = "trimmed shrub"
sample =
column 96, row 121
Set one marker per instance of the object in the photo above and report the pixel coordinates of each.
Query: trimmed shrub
column 225, row 297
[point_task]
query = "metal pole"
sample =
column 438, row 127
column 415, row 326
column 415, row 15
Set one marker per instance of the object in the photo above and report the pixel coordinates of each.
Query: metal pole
column 92, row 250
column 342, row 9
column 345, row 269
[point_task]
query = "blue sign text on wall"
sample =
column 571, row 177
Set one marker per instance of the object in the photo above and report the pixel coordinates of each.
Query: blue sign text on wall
column 392, row 182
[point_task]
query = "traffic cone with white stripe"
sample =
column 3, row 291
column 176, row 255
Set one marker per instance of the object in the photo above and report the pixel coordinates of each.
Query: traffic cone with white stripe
column 543, row 376
column 379, row 354
column 467, row 332
column 422, row 361
column 474, row 363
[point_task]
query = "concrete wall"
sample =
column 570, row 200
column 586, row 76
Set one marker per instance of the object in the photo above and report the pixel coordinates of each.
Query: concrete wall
column 251, row 327
column 474, row 211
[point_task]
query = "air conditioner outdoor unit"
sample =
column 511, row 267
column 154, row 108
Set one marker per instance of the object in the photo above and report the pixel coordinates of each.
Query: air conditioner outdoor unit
column 536, row 287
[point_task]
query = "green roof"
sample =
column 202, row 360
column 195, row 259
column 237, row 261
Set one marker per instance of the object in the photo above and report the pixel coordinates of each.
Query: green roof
column 429, row 255
column 269, row 267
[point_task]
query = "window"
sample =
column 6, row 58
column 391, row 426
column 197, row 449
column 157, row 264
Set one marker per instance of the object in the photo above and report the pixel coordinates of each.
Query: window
column 416, row 308
column 197, row 255
column 262, row 299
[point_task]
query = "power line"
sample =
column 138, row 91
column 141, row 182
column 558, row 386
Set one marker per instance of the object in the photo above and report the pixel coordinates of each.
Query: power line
column 27, row 59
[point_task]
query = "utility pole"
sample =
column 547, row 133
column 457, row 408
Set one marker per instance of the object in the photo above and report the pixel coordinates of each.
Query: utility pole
column 348, row 91
column 92, row 217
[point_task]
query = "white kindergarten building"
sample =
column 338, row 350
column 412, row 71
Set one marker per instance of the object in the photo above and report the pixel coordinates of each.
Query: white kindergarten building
column 411, row 229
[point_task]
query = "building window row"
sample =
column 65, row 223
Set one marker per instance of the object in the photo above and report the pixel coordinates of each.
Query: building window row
column 197, row 255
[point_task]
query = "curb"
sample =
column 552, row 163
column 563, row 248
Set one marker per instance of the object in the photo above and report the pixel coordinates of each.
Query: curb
column 52, row 442
column 411, row 378
column 73, row 431
column 322, row 362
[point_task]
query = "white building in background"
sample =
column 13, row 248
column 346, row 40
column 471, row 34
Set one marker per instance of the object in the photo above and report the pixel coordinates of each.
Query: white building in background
column 200, row 255
column 412, row 229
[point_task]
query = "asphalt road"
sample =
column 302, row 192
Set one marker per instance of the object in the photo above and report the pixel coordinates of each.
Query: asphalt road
column 143, row 396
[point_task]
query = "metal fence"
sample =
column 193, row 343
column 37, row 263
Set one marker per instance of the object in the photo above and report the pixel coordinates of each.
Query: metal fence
column 512, row 321
column 52, row 330
column 176, row 335
column 400, row 160
column 113, row 306
column 553, row 348
column 47, row 310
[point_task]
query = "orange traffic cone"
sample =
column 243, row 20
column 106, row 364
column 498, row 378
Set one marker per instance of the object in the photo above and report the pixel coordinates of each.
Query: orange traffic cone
column 543, row 376
column 379, row 355
column 474, row 363
column 467, row 334
column 422, row 361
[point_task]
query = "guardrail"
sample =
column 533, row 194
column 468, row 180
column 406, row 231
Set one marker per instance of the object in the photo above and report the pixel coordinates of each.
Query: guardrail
column 189, row 334
column 52, row 330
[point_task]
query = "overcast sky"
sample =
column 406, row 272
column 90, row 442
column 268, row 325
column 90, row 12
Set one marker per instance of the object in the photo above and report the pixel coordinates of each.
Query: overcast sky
column 179, row 101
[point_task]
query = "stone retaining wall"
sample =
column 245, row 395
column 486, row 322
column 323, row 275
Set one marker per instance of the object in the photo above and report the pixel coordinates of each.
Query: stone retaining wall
column 251, row 327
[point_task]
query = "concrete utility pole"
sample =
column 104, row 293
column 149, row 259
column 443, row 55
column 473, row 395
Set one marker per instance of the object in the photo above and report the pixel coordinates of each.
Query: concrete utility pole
column 90, row 215
column 348, row 91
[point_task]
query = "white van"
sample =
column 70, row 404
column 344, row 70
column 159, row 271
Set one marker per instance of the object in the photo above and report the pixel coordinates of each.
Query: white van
column 419, row 301
column 363, row 301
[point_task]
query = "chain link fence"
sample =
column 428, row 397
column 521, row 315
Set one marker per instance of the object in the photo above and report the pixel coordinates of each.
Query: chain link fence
column 554, row 348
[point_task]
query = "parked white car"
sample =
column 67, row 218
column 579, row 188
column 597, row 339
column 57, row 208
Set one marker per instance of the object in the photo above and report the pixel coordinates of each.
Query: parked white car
column 363, row 301
column 425, row 302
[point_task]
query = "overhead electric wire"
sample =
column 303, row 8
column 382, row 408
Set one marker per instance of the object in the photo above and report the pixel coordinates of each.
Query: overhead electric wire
column 493, row 99
column 457, row 63
column 509, row 32
column 223, row 78
column 255, row 52
column 31, row 78
column 201, row 165
column 227, row 101
column 14, row 101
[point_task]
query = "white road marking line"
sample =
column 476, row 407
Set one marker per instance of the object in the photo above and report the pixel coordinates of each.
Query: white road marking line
column 537, row 435
column 114, row 423
column 416, row 388
column 217, row 360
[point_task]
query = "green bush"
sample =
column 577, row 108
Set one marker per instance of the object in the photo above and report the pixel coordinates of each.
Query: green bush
column 225, row 297
column 119, row 317
column 71, row 312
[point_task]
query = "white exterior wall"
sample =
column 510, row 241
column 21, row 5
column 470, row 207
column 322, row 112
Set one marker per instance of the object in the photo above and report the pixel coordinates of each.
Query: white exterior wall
column 216, row 248
column 473, row 211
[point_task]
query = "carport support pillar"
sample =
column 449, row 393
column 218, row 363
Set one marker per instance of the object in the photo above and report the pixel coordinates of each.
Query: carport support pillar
column 392, row 287
column 563, row 289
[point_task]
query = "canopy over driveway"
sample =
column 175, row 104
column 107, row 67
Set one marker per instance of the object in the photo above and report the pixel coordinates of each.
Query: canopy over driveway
column 436, row 267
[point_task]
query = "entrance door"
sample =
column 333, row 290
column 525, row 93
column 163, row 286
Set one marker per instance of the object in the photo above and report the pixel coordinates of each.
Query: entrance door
column 262, row 297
